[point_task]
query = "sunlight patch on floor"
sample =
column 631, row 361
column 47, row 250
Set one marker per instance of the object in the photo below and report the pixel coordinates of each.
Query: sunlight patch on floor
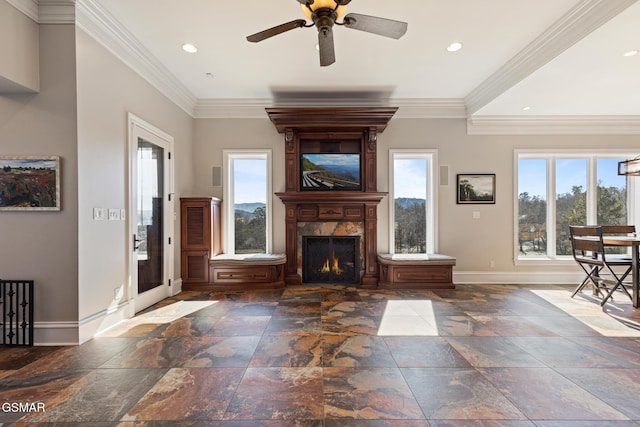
column 408, row 318
column 162, row 315
column 591, row 314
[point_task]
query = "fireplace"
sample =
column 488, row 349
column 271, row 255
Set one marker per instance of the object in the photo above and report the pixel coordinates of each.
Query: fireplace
column 331, row 259
column 338, row 145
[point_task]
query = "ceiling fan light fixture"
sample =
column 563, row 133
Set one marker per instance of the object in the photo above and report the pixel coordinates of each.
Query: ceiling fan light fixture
column 323, row 4
column 629, row 167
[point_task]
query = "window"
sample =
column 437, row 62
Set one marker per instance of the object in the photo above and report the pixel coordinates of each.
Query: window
column 412, row 220
column 247, row 201
column 585, row 189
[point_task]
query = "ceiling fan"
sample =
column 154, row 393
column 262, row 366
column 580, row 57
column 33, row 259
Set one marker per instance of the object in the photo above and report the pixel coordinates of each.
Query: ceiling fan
column 324, row 14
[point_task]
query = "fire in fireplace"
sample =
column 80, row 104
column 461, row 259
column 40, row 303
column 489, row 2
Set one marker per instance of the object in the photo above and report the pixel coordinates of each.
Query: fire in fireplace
column 330, row 259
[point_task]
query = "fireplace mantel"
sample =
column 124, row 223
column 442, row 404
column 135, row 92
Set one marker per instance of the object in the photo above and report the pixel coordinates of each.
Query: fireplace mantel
column 329, row 197
column 344, row 131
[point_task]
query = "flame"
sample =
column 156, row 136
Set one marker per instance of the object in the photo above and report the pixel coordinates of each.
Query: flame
column 332, row 266
column 325, row 267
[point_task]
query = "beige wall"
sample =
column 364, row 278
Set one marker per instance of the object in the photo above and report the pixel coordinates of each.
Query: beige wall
column 211, row 137
column 19, row 47
column 107, row 91
column 44, row 245
column 80, row 114
column 474, row 242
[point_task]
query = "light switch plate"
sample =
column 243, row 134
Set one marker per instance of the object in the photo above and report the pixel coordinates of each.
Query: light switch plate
column 476, row 214
column 114, row 214
column 98, row 214
column 123, row 215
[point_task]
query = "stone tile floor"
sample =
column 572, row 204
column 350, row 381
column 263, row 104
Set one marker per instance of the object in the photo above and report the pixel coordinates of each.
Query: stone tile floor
column 476, row 356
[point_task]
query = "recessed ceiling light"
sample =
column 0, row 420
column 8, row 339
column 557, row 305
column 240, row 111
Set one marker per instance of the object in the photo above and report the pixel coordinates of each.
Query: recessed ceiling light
column 454, row 47
column 632, row 53
column 188, row 47
column 209, row 75
column 527, row 108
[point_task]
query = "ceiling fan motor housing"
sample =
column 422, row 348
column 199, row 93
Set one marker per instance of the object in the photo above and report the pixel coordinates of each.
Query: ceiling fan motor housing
column 324, row 18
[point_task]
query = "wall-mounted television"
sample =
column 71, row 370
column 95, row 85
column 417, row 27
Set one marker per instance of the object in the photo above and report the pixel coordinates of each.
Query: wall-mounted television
column 330, row 172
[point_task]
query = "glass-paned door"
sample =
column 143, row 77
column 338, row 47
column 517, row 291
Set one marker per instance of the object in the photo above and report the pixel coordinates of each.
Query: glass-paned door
column 150, row 209
column 150, row 216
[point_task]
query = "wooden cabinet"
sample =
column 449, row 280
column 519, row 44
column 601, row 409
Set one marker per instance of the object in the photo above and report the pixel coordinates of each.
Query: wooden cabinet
column 200, row 238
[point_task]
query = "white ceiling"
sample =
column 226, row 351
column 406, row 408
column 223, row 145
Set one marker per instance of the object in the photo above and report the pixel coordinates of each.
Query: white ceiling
column 561, row 58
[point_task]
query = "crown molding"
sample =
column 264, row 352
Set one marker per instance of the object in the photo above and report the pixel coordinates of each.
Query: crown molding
column 47, row 11
column 232, row 108
column 254, row 108
column 433, row 108
column 554, row 125
column 105, row 29
column 56, row 11
column 28, row 7
column 580, row 21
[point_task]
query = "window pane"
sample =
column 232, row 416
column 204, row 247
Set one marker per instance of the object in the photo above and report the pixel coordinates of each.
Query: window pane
column 532, row 207
column 410, row 197
column 250, row 201
column 612, row 193
column 612, row 196
column 571, row 200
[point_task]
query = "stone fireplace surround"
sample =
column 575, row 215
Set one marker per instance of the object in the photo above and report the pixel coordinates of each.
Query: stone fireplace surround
column 344, row 130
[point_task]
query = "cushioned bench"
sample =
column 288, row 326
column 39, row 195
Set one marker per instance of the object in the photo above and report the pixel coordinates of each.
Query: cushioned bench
column 416, row 271
column 247, row 271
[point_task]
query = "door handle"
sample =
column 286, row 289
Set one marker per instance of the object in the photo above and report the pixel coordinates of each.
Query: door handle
column 136, row 243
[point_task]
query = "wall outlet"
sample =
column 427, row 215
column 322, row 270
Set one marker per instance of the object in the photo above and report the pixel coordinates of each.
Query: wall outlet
column 98, row 214
column 492, row 263
column 114, row 215
column 476, row 214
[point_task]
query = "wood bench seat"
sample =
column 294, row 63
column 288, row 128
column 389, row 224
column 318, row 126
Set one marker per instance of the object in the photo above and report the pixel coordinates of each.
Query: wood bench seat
column 416, row 271
column 250, row 271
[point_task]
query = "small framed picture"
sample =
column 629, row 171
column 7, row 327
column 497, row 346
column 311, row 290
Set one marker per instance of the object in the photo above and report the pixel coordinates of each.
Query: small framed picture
column 29, row 183
column 476, row 188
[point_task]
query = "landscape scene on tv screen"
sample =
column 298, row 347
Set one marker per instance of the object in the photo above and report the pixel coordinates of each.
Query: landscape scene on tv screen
column 338, row 172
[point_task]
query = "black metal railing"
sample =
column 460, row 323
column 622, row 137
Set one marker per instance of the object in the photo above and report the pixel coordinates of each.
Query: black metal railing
column 16, row 304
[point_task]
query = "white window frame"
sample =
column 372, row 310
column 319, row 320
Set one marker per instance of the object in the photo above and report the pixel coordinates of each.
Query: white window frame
column 591, row 156
column 431, row 157
column 228, row 212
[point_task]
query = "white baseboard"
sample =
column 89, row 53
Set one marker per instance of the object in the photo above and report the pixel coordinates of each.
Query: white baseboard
column 176, row 287
column 516, row 278
column 100, row 322
column 55, row 333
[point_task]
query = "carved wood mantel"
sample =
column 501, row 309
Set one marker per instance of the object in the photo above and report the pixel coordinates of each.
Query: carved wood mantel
column 344, row 130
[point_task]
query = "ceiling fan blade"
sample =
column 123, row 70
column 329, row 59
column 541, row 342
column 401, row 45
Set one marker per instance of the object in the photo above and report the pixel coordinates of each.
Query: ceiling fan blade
column 262, row 35
column 373, row 24
column 327, row 51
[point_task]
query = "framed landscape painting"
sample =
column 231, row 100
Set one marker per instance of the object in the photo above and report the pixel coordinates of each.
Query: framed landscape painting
column 30, row 183
column 476, row 188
